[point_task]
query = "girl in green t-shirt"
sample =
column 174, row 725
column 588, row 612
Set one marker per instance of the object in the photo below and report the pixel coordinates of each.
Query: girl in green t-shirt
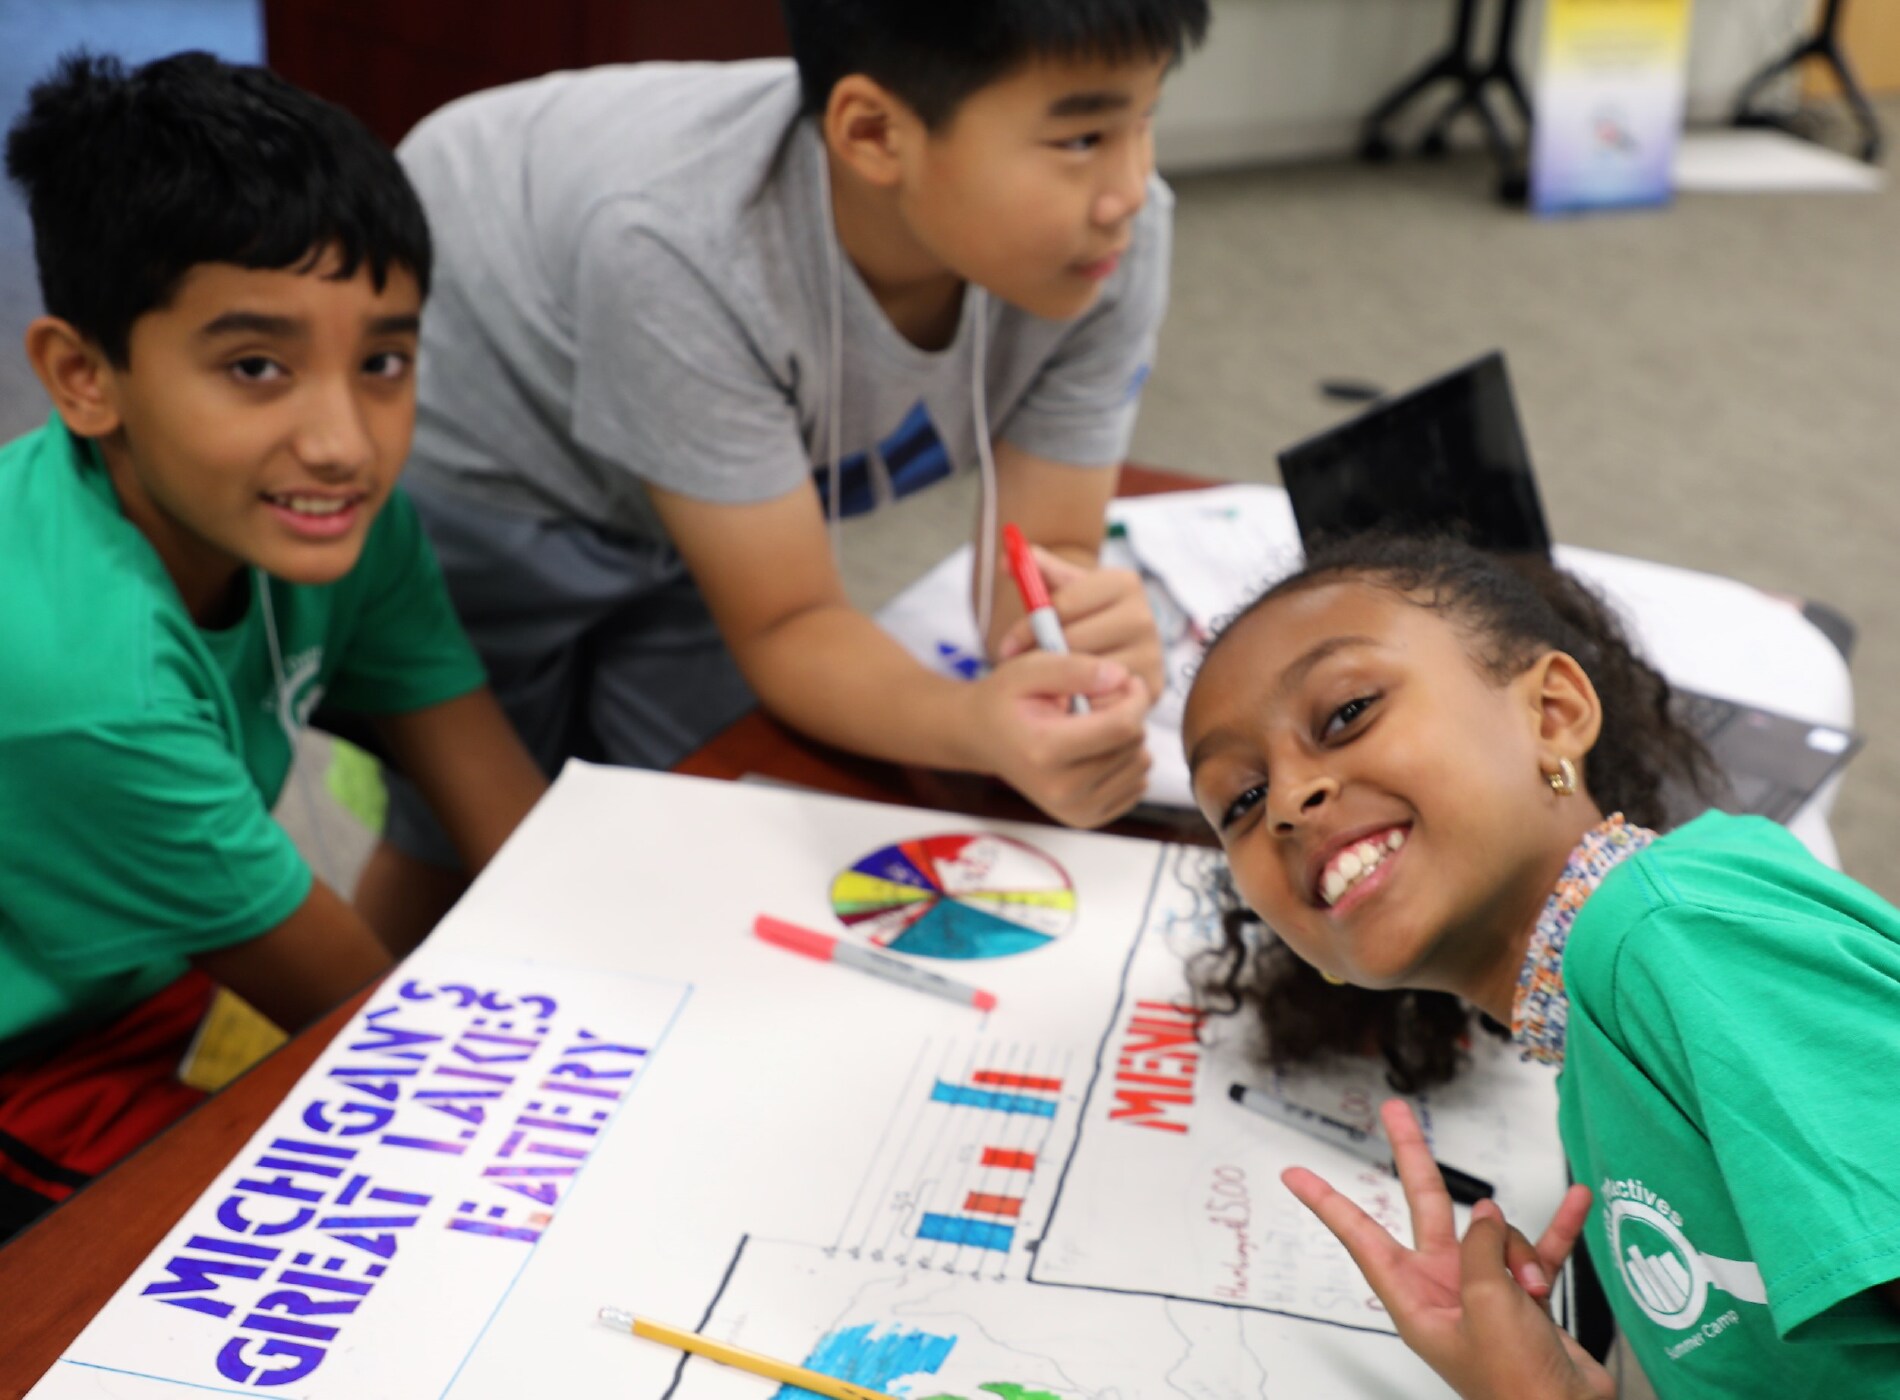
column 1438, row 775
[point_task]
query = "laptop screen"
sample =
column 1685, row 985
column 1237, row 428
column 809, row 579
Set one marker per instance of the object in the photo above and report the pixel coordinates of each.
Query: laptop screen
column 1447, row 457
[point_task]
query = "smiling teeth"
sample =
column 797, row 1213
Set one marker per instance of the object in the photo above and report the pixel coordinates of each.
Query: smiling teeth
column 312, row 505
column 1356, row 862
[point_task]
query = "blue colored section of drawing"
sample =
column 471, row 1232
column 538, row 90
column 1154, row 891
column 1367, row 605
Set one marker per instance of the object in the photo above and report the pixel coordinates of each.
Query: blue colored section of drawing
column 854, row 1354
column 958, row 1229
column 964, row 665
column 914, row 456
column 889, row 863
column 953, row 930
column 964, row 1096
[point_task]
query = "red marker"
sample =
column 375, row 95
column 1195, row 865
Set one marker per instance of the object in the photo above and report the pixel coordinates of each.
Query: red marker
column 828, row 948
column 1043, row 621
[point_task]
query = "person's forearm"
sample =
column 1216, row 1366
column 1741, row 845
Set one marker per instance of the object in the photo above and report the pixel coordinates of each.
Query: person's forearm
column 833, row 673
column 511, row 786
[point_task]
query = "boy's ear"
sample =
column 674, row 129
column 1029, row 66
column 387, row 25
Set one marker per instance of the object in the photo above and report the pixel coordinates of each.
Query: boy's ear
column 1569, row 713
column 78, row 378
column 868, row 127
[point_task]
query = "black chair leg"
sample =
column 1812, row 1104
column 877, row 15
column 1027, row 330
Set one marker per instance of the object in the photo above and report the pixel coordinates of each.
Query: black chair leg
column 1374, row 143
column 1825, row 45
column 1458, row 65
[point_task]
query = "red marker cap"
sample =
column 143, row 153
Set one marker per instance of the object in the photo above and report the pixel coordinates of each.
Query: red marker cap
column 1023, row 565
column 810, row 942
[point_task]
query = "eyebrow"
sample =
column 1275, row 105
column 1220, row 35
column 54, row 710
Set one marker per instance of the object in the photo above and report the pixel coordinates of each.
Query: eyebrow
column 1090, row 104
column 253, row 323
column 1289, row 679
column 1313, row 655
column 289, row 328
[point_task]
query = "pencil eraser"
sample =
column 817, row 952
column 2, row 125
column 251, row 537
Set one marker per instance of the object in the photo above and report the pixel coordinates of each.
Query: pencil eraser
column 984, row 1001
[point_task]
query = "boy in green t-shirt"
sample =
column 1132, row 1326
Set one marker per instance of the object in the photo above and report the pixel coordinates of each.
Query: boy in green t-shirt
column 203, row 543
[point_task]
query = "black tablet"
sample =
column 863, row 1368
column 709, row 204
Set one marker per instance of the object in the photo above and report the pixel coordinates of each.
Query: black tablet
column 1446, row 457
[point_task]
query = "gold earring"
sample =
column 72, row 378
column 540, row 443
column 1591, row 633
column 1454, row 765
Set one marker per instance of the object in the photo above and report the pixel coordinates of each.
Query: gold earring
column 1564, row 781
column 1334, row 981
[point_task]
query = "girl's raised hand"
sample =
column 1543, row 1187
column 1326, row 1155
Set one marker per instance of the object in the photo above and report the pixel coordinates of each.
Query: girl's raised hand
column 1474, row 1310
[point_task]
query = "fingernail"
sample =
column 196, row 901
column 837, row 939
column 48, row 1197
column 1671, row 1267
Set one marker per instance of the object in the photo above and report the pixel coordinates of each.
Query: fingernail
column 1534, row 1276
column 1110, row 675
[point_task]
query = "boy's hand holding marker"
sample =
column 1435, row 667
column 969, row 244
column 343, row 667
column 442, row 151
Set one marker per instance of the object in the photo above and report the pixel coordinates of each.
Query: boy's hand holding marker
column 1067, row 727
column 1102, row 612
column 1083, row 770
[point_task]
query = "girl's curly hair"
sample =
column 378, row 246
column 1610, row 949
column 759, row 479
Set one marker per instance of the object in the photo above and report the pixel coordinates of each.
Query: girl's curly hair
column 1511, row 611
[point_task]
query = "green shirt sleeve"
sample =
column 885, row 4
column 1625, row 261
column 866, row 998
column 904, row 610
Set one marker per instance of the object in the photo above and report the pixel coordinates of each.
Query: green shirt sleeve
column 405, row 649
column 1781, row 1035
column 135, row 839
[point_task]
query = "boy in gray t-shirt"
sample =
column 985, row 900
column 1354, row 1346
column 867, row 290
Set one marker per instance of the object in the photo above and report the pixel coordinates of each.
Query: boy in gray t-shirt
column 683, row 313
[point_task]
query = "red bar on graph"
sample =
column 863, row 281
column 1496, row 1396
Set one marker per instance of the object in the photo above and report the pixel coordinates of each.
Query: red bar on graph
column 1003, row 1157
column 993, row 1205
column 1002, row 1079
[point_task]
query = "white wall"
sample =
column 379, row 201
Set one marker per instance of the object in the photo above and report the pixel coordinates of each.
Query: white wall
column 1285, row 79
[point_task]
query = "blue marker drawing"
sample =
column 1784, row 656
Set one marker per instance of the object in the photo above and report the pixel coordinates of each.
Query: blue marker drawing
column 962, row 664
column 854, row 1354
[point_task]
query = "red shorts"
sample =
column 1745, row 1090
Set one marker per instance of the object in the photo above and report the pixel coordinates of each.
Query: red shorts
column 67, row 1115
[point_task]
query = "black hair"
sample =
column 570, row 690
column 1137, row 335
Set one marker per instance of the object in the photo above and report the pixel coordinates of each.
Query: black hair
column 132, row 179
column 1511, row 610
column 933, row 56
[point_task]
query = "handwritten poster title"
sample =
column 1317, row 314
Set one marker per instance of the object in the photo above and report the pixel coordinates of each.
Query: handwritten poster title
column 444, row 1106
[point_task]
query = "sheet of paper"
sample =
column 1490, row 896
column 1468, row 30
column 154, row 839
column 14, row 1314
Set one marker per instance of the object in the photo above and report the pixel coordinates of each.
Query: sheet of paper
column 1214, row 550
column 594, row 1086
column 1755, row 161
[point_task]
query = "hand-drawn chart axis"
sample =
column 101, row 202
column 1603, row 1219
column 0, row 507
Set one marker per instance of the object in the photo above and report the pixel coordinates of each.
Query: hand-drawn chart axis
column 1150, row 1081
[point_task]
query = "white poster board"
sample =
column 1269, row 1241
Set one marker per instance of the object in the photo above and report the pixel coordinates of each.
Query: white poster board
column 594, row 1086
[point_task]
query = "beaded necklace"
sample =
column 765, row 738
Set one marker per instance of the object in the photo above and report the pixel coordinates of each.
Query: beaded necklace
column 1540, row 1010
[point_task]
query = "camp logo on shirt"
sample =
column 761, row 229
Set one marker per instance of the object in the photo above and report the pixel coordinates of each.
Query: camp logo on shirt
column 1668, row 1277
column 298, row 693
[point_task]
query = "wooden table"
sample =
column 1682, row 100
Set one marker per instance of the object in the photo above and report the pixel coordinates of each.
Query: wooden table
column 60, row 1272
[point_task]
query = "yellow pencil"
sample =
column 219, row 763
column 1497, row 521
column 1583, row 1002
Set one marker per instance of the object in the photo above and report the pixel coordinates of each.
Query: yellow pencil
column 727, row 1355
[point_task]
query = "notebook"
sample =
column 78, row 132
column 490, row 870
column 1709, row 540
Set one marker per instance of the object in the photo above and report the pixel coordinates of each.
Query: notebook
column 1450, row 455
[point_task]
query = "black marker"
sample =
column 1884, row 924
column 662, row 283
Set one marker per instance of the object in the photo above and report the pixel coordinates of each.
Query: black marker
column 1462, row 1187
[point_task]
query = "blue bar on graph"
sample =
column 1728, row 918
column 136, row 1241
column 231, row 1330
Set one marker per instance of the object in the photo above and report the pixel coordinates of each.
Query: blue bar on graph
column 964, row 1095
column 957, row 1229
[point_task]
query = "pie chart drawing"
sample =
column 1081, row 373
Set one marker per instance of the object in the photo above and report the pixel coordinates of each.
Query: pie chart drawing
column 960, row 895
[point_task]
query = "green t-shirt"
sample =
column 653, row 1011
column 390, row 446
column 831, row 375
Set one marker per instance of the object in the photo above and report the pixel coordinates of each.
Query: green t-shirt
column 140, row 754
column 1731, row 1091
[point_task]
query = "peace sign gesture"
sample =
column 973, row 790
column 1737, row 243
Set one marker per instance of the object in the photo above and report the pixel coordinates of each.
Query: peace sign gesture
column 1474, row 1310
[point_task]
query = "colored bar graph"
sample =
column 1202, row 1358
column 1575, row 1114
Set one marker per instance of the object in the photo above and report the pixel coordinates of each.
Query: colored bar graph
column 1004, row 1157
column 1002, row 1079
column 955, row 1229
column 967, row 1096
column 985, row 1204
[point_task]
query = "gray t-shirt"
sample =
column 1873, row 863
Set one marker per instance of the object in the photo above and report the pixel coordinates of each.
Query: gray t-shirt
column 632, row 285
